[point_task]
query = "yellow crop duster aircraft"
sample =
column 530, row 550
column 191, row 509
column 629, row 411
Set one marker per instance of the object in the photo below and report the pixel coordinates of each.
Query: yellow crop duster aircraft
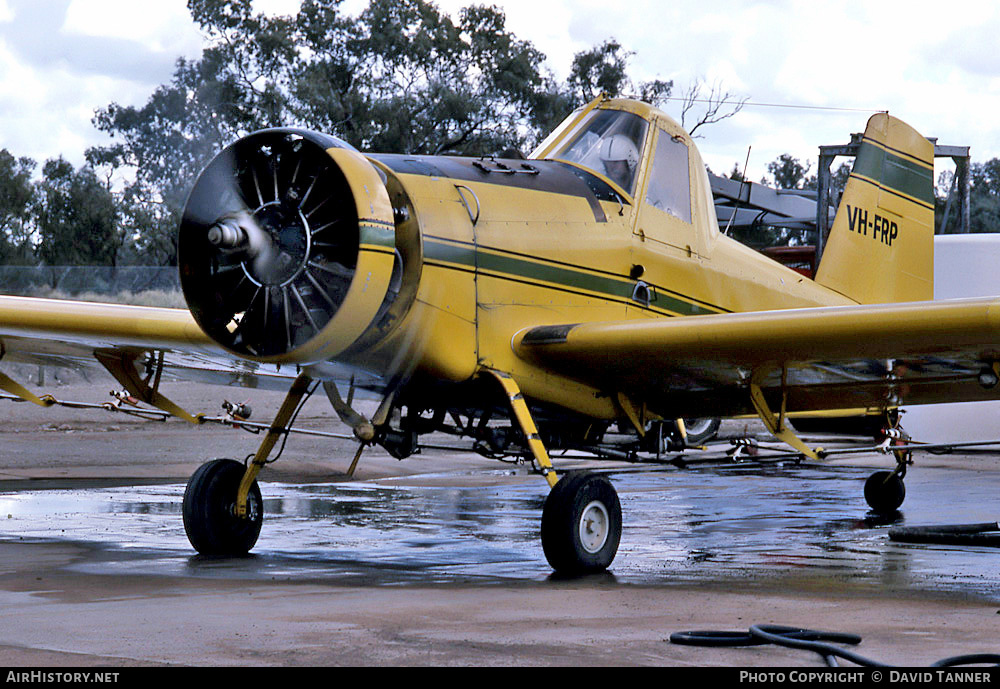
column 529, row 304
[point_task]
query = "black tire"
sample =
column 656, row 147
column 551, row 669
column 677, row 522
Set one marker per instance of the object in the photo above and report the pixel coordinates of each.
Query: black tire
column 571, row 546
column 701, row 430
column 210, row 521
column 884, row 492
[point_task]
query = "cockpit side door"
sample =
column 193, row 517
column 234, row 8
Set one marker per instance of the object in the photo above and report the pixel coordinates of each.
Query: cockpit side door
column 664, row 201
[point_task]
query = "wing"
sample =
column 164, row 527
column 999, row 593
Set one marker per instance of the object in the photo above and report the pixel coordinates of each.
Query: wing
column 811, row 359
column 91, row 325
column 85, row 335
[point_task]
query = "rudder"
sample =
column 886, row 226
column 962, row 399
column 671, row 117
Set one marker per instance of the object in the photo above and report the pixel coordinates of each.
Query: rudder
column 881, row 246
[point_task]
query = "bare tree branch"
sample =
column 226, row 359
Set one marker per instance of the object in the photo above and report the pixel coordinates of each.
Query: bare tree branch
column 719, row 105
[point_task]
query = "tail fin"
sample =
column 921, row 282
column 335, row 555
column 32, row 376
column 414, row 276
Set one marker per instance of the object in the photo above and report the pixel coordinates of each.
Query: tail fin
column 881, row 246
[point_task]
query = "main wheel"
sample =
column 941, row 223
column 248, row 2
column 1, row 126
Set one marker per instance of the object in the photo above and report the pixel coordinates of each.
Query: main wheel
column 581, row 524
column 700, row 430
column 884, row 492
column 209, row 510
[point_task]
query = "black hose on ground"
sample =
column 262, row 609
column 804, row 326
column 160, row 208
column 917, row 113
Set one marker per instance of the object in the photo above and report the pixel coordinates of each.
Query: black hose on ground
column 984, row 534
column 810, row 640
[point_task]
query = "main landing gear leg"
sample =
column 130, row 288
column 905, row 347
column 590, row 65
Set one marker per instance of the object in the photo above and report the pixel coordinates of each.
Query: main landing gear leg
column 223, row 509
column 582, row 517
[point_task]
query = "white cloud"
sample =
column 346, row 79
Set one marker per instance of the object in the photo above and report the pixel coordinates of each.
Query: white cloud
column 61, row 61
column 163, row 27
column 934, row 66
column 33, row 121
column 276, row 7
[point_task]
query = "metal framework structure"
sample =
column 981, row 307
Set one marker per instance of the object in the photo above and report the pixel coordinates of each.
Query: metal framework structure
column 962, row 181
column 746, row 204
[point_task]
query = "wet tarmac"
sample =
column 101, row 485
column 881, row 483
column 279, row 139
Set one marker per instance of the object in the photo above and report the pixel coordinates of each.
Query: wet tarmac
column 736, row 525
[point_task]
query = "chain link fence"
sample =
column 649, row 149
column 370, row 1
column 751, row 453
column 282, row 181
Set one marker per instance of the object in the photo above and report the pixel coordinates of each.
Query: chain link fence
column 144, row 285
column 72, row 280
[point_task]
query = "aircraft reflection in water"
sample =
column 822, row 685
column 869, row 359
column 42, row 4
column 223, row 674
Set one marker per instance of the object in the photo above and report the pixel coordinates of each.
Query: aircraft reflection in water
column 748, row 523
column 529, row 305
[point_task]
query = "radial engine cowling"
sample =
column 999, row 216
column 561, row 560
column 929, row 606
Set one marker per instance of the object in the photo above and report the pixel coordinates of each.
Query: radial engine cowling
column 287, row 247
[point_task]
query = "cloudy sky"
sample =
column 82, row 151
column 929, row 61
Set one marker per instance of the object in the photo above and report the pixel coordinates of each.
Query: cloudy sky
column 829, row 65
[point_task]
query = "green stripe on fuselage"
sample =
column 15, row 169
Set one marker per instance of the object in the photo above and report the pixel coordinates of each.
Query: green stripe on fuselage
column 505, row 265
column 895, row 172
column 370, row 233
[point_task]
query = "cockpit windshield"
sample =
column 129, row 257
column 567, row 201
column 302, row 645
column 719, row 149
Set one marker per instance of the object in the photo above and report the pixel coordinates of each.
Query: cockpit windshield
column 610, row 143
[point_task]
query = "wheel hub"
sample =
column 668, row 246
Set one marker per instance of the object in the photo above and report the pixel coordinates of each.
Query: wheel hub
column 594, row 527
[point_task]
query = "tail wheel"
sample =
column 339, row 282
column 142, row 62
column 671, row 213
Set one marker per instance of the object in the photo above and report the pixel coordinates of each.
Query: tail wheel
column 581, row 524
column 209, row 510
column 884, row 492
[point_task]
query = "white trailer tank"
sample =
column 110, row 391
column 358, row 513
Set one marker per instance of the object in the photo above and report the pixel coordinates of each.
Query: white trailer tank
column 965, row 265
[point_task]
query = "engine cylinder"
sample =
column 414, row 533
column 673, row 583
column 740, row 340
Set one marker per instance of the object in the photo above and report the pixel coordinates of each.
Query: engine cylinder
column 287, row 247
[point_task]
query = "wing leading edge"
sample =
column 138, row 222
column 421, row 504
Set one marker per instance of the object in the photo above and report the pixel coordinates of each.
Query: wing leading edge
column 93, row 324
column 843, row 357
column 76, row 335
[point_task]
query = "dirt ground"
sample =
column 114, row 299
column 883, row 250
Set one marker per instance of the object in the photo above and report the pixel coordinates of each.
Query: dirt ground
column 55, row 614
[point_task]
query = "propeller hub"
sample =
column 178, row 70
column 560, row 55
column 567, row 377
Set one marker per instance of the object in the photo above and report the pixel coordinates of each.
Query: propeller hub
column 286, row 246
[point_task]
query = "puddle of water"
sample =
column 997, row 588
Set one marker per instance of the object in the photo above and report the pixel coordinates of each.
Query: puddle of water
column 741, row 523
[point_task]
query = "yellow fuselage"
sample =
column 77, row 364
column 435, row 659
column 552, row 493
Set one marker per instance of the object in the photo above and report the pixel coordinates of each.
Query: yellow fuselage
column 500, row 256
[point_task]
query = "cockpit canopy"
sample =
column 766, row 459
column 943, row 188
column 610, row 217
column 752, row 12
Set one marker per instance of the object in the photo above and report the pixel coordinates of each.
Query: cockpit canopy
column 608, row 142
column 649, row 157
